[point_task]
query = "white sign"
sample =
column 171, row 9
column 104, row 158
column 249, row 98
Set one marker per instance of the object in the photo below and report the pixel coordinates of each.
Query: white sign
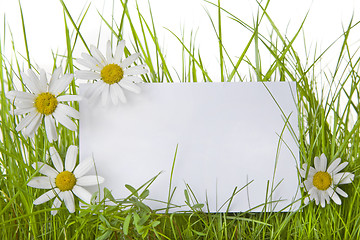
column 228, row 136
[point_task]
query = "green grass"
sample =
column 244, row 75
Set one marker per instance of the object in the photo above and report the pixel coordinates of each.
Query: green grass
column 328, row 123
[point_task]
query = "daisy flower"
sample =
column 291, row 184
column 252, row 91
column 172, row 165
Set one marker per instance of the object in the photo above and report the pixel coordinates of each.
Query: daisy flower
column 64, row 182
column 113, row 75
column 322, row 183
column 44, row 102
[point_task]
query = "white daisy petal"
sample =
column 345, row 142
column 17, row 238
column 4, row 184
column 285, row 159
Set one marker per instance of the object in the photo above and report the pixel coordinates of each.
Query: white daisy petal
column 36, row 127
column 69, row 201
column 96, row 65
column 322, row 199
column 90, row 64
column 84, row 63
column 31, row 84
column 70, row 159
column 105, row 95
column 64, row 120
column 326, row 196
column 57, row 203
column 114, row 94
column 130, row 86
column 89, row 180
column 134, row 79
column 68, row 98
column 54, row 76
column 23, row 96
column 20, row 111
column 343, row 178
column 87, row 74
column 46, row 196
column 314, row 194
column 129, row 60
column 69, row 111
column 341, row 192
column 54, row 86
column 50, row 128
column 55, row 157
column 317, row 163
column 43, row 81
column 306, row 200
column 41, row 87
column 98, row 90
column 26, row 120
column 33, row 126
column 311, row 197
column 308, row 184
column 119, row 92
column 340, row 167
column 45, row 169
column 83, row 167
column 311, row 172
column 41, row 182
column 302, row 172
column 119, row 51
column 311, row 191
column 61, row 84
column 323, row 163
column 98, row 55
column 81, row 193
column 25, row 104
column 139, row 69
column 335, row 197
column 317, row 198
column 108, row 52
column 333, row 165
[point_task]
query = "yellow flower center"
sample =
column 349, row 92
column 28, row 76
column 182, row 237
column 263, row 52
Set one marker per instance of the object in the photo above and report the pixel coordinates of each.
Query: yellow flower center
column 322, row 180
column 112, row 73
column 65, row 181
column 46, row 103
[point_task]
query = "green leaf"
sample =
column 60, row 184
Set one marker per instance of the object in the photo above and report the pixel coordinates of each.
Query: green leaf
column 155, row 223
column 144, row 208
column 138, row 227
column 94, row 196
column 106, row 235
column 103, row 219
column 143, row 219
column 127, row 224
column 198, row 205
column 144, row 194
column 187, row 199
column 136, row 218
column 108, row 195
column 132, row 190
column 145, row 233
column 199, row 233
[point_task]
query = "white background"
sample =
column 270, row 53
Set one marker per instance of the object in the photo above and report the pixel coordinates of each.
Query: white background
column 45, row 25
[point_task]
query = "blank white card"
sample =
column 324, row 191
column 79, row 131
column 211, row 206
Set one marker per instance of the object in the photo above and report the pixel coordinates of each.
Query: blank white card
column 230, row 136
